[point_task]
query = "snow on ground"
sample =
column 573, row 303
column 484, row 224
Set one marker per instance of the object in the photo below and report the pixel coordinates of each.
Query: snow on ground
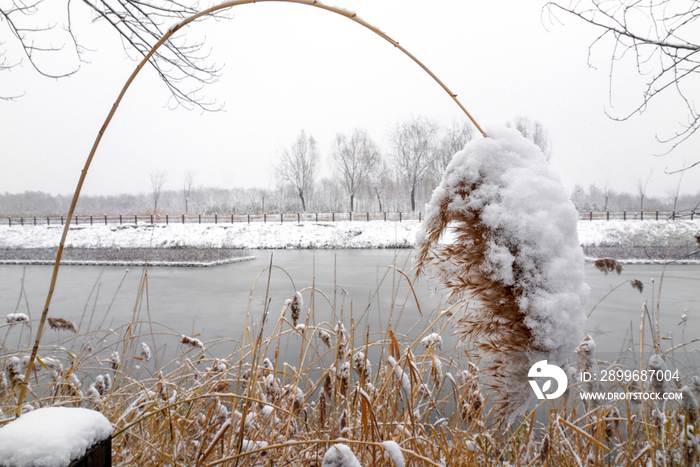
column 321, row 235
column 51, row 436
column 375, row 234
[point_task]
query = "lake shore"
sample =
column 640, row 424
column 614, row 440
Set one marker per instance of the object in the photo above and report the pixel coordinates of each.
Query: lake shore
column 634, row 241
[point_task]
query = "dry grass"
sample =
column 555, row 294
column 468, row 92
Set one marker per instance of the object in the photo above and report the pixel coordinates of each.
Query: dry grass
column 264, row 404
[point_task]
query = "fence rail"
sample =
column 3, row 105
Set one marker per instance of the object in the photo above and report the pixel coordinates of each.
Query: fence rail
column 135, row 219
column 149, row 219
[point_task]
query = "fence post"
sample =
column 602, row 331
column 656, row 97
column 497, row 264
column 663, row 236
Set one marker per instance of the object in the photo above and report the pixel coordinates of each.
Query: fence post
column 316, row 217
column 200, row 218
column 419, row 216
column 657, row 215
column 151, row 219
column 641, row 215
column 231, row 218
column 368, row 217
column 298, row 218
column 216, row 218
column 166, row 220
column 350, row 216
column 692, row 213
column 673, row 215
column 281, row 218
column 333, row 216
column 48, row 222
column 249, row 218
column 607, row 215
column 9, row 221
column 21, row 221
column 34, row 220
column 384, row 216
column 400, row 217
column 120, row 219
column 265, row 218
column 61, row 220
column 183, row 218
column 624, row 215
column 136, row 219
column 590, row 218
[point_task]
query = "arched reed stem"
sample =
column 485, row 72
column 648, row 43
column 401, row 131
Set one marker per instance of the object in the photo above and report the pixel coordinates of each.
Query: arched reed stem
column 223, row 6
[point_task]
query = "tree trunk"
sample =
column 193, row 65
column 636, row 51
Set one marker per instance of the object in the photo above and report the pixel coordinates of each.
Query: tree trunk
column 303, row 203
column 352, row 202
column 379, row 199
column 413, row 199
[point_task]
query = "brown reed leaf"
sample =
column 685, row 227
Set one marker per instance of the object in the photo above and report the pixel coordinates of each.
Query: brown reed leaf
column 637, row 284
column 607, row 265
column 60, row 323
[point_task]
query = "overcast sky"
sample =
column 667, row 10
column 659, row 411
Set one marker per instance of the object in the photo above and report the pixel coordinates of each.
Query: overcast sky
column 293, row 67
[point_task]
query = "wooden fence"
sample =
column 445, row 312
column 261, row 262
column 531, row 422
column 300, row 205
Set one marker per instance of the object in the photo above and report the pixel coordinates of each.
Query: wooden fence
column 303, row 217
column 151, row 219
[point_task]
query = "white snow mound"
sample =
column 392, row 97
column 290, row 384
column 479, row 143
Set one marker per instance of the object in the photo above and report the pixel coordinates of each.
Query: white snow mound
column 51, row 436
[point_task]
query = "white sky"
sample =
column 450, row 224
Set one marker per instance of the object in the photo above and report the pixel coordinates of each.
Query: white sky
column 293, row 67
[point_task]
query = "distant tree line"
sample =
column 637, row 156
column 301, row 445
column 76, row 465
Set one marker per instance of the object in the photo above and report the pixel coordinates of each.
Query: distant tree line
column 600, row 199
column 363, row 180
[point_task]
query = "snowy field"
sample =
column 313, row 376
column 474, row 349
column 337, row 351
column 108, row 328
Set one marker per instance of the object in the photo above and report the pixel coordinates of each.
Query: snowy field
column 321, row 235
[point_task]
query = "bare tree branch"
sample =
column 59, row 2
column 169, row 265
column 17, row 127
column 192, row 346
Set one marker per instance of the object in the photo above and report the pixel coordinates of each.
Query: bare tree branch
column 181, row 63
column 662, row 37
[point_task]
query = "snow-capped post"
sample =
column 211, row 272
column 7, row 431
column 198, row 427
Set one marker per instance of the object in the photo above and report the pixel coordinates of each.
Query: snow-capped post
column 57, row 437
column 515, row 249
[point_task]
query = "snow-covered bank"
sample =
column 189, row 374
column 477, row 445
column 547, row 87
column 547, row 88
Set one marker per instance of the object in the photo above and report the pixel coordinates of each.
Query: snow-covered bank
column 376, row 234
column 322, row 235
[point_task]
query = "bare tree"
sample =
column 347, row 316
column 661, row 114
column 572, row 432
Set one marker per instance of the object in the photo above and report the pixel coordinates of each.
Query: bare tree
column 181, row 64
column 158, row 178
column 355, row 158
column 415, row 151
column 642, row 189
column 662, row 37
column 298, row 166
column 380, row 179
column 187, row 187
column 535, row 132
column 452, row 141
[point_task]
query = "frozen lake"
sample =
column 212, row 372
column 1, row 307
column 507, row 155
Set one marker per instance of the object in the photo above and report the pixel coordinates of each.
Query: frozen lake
column 212, row 303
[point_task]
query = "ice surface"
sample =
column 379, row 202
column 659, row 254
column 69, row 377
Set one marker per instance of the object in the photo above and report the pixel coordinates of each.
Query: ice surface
column 51, row 436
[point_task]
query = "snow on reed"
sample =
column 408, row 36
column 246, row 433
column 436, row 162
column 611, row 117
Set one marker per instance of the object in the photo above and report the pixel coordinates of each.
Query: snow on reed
column 14, row 318
column 393, row 452
column 515, row 248
column 51, row 436
column 340, row 455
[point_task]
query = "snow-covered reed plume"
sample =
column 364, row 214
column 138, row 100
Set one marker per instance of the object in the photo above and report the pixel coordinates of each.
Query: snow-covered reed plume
column 500, row 228
column 60, row 323
column 15, row 318
column 294, row 304
column 192, row 342
column 145, row 352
